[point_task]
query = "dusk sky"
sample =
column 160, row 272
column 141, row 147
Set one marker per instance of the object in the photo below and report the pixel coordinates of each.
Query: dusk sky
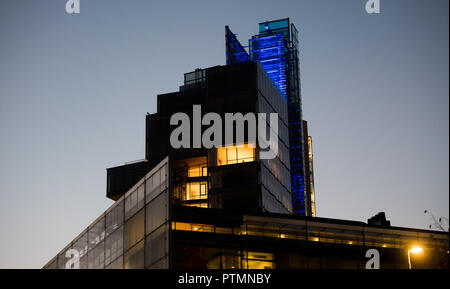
column 75, row 89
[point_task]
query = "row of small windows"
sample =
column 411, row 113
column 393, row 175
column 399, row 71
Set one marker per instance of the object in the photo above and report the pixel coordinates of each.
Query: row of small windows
column 313, row 235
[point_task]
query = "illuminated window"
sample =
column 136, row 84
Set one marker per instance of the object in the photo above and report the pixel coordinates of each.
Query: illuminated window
column 192, row 227
column 235, row 154
column 193, row 172
column 181, row 226
column 197, row 171
column 231, row 155
column 198, row 205
column 196, row 191
column 191, row 187
column 202, row 228
column 221, row 156
column 259, row 260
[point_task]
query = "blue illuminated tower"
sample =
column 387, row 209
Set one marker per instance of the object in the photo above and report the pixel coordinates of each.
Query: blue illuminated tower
column 276, row 49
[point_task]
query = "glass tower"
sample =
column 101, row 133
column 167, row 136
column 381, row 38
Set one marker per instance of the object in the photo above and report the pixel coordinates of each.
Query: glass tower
column 276, row 49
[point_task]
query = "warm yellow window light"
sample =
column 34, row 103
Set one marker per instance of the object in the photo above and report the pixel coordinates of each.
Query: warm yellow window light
column 197, row 171
column 194, row 172
column 235, row 154
column 196, row 191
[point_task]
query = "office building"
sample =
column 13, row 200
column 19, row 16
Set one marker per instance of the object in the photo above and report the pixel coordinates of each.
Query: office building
column 226, row 207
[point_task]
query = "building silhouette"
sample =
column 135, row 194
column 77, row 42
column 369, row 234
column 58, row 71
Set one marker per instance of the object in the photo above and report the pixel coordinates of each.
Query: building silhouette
column 226, row 207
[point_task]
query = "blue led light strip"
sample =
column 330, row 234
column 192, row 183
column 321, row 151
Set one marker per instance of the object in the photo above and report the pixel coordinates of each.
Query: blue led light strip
column 235, row 53
column 271, row 52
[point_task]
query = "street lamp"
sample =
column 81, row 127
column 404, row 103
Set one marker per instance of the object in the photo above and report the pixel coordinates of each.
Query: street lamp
column 414, row 250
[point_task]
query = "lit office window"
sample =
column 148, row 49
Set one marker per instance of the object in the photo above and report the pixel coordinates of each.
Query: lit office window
column 258, row 260
column 196, row 191
column 235, row 154
column 192, row 227
column 197, row 171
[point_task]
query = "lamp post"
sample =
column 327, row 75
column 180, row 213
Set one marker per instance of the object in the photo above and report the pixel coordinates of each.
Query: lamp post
column 414, row 250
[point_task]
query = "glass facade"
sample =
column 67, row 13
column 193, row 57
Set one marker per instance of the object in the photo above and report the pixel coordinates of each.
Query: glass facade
column 133, row 233
column 322, row 233
column 235, row 53
column 142, row 234
column 275, row 173
column 266, row 243
column 276, row 49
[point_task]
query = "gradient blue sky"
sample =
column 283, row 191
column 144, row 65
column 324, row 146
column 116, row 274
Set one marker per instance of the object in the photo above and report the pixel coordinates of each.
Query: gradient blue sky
column 74, row 91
